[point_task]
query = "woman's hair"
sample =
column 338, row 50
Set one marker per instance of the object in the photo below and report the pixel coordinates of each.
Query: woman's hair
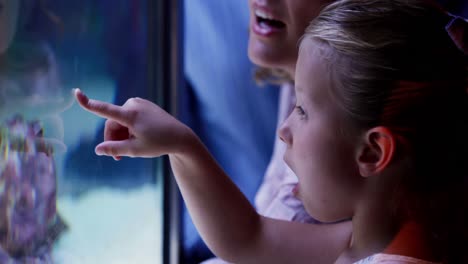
column 264, row 75
column 393, row 64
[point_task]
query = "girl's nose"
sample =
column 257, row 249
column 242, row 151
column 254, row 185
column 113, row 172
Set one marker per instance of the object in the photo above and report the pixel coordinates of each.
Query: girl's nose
column 285, row 134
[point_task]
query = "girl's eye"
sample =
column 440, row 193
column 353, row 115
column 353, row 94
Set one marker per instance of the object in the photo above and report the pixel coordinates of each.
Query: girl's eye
column 299, row 110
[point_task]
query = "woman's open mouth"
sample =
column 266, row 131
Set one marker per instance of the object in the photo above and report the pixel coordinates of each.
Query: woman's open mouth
column 266, row 24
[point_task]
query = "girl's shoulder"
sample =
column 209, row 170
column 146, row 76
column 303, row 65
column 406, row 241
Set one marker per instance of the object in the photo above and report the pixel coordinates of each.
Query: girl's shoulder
column 382, row 258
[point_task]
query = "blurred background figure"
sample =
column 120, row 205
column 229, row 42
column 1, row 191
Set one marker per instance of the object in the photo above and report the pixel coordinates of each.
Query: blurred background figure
column 9, row 11
column 233, row 116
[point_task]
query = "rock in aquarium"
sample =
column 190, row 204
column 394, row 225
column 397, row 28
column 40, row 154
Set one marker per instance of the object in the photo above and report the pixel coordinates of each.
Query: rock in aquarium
column 29, row 223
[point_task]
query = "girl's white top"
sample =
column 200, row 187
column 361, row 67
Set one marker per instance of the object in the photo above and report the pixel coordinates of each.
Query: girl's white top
column 382, row 258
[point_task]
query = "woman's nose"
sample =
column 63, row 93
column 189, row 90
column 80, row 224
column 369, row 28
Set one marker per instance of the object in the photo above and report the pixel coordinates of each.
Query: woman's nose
column 285, row 134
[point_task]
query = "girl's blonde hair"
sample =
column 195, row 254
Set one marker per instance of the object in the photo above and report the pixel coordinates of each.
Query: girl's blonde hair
column 393, row 64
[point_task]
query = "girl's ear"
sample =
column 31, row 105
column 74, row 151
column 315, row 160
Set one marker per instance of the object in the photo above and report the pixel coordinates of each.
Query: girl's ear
column 376, row 151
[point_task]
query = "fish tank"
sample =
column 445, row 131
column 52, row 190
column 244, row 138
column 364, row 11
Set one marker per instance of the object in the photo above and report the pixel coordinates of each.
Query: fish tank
column 59, row 202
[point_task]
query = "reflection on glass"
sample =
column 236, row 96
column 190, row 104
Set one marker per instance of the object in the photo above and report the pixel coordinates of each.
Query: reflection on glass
column 59, row 202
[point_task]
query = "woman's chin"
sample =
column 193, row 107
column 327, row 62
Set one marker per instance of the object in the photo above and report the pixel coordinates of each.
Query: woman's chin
column 259, row 60
column 265, row 54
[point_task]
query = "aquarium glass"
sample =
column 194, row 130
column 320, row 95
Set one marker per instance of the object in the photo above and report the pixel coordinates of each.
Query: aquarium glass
column 59, row 202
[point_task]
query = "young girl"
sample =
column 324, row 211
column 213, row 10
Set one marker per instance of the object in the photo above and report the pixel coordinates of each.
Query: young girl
column 381, row 92
column 274, row 30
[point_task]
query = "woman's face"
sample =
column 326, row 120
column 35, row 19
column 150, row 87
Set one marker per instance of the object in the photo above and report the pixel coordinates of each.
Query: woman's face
column 275, row 28
column 8, row 20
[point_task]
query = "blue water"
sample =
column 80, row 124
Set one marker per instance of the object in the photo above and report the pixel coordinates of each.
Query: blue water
column 113, row 209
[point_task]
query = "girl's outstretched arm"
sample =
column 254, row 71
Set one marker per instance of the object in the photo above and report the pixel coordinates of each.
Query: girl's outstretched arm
column 226, row 220
column 232, row 228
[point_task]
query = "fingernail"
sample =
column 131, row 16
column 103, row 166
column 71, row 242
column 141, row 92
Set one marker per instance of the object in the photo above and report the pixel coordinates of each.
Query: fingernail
column 78, row 92
column 98, row 151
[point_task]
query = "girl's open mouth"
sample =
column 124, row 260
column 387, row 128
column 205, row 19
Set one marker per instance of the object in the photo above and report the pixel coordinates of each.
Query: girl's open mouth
column 295, row 190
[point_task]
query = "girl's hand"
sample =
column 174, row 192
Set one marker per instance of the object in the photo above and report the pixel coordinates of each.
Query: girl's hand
column 138, row 128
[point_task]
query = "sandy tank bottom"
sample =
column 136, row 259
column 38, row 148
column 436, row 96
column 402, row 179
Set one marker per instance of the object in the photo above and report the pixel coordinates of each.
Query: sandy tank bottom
column 111, row 226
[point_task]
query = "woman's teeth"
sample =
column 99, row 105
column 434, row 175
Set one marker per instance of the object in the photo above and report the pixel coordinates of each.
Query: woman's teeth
column 262, row 14
column 265, row 19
